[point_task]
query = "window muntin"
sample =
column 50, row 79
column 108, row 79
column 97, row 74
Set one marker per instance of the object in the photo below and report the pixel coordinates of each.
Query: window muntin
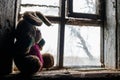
column 82, row 46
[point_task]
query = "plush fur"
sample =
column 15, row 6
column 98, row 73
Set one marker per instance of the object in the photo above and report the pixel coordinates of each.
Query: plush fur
column 25, row 35
column 43, row 18
column 28, row 64
column 48, row 60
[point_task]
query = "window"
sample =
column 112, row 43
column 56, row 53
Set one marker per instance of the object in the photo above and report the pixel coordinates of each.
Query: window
column 47, row 7
column 75, row 38
column 86, row 6
column 84, row 9
column 82, row 46
column 83, row 39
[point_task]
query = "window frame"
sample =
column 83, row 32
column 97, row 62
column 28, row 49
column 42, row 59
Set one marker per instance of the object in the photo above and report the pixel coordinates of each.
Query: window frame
column 74, row 19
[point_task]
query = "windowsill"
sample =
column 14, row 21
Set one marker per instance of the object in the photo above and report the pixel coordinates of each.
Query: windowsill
column 80, row 73
column 70, row 74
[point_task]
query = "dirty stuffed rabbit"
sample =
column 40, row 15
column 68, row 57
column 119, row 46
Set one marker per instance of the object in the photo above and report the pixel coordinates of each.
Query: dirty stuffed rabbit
column 25, row 38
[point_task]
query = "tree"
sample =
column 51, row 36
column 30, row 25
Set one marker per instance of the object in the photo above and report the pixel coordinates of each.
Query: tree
column 83, row 42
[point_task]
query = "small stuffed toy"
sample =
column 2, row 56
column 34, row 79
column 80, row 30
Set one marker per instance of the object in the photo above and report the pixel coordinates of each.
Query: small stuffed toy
column 25, row 34
column 48, row 60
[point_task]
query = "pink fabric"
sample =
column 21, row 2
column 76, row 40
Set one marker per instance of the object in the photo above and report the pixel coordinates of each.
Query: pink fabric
column 35, row 50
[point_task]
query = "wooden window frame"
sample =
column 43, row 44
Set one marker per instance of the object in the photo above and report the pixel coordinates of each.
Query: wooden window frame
column 73, row 19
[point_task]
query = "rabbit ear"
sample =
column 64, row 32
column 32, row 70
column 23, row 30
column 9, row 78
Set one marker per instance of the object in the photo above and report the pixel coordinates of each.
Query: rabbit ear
column 43, row 18
column 32, row 18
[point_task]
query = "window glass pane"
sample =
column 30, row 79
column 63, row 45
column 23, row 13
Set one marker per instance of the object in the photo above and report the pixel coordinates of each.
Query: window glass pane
column 41, row 2
column 47, row 7
column 50, row 35
column 84, row 6
column 82, row 46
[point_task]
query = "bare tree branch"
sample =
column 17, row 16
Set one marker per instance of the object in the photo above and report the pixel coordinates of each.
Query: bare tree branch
column 83, row 43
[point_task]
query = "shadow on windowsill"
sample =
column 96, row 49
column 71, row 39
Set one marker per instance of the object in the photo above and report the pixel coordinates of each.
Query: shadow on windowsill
column 66, row 74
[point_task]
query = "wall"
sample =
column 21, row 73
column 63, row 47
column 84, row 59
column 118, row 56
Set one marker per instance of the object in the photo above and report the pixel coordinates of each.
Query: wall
column 7, row 25
column 110, row 35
